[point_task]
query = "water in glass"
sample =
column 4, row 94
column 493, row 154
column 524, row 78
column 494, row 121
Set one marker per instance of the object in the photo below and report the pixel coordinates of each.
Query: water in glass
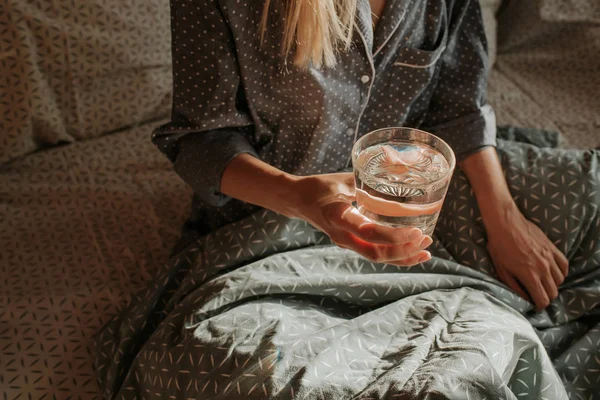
column 397, row 184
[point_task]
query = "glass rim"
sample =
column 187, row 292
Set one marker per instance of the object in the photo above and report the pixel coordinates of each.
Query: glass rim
column 452, row 162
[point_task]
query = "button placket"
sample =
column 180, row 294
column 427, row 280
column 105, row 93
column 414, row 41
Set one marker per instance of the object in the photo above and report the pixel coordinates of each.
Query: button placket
column 365, row 79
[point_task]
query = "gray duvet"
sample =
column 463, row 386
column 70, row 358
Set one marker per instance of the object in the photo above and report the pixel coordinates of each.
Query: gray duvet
column 268, row 308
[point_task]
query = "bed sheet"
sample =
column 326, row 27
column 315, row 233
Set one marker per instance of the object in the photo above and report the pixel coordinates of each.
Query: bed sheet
column 82, row 226
column 546, row 72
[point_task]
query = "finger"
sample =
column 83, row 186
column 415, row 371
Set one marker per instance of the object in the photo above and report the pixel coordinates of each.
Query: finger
column 394, row 253
column 537, row 292
column 425, row 242
column 387, row 253
column 379, row 252
column 360, row 226
column 403, row 252
column 561, row 261
column 420, row 257
column 557, row 274
column 550, row 287
column 512, row 283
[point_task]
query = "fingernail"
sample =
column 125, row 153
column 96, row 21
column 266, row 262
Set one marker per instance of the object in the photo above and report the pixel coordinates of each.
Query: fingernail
column 415, row 234
column 424, row 258
column 426, row 242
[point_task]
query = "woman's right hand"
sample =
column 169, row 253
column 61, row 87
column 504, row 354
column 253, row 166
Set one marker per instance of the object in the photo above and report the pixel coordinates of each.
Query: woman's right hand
column 325, row 201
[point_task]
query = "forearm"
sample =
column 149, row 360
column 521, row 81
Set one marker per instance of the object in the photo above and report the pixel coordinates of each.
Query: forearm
column 251, row 180
column 484, row 171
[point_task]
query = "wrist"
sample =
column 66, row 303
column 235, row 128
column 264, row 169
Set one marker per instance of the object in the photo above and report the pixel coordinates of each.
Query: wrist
column 287, row 200
column 497, row 211
column 253, row 181
column 484, row 172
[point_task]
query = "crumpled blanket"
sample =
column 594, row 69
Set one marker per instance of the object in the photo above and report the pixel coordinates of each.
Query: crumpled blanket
column 268, row 308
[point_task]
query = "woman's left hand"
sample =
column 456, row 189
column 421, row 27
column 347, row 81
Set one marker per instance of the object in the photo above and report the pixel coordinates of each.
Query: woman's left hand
column 524, row 258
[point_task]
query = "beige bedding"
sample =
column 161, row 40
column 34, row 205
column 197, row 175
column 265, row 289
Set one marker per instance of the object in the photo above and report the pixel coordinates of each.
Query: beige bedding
column 82, row 226
column 547, row 72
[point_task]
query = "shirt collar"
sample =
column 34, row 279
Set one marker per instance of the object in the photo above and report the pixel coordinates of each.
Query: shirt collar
column 365, row 23
column 388, row 23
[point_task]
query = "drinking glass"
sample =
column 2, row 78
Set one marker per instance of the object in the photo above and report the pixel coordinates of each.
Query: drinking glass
column 402, row 176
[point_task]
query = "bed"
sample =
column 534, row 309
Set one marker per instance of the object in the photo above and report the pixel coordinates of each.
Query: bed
column 83, row 226
column 86, row 224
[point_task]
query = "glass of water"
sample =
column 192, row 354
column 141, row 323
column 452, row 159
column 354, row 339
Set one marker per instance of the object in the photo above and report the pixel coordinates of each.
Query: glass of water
column 402, row 176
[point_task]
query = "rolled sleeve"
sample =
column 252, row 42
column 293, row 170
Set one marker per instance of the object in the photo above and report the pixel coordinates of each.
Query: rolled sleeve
column 458, row 112
column 469, row 134
column 210, row 121
column 203, row 158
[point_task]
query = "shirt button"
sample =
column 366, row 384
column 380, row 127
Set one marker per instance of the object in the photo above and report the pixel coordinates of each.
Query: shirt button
column 349, row 132
column 365, row 79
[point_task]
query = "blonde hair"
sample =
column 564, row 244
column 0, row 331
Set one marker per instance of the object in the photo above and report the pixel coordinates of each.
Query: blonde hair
column 316, row 30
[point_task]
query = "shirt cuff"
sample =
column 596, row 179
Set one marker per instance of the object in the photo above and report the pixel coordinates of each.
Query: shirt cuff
column 470, row 133
column 203, row 157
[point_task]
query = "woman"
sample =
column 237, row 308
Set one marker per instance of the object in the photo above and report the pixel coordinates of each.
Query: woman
column 269, row 97
column 271, row 115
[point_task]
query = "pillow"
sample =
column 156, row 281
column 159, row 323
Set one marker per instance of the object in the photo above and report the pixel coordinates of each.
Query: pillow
column 75, row 70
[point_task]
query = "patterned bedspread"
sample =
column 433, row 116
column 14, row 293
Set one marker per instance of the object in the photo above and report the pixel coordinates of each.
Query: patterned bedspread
column 81, row 228
column 267, row 308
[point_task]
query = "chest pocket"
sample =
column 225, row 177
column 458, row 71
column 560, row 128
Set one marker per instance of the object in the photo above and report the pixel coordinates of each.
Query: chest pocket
column 414, row 68
column 420, row 58
column 409, row 57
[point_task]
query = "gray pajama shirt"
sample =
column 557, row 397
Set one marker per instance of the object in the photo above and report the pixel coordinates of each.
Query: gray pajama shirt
column 425, row 66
